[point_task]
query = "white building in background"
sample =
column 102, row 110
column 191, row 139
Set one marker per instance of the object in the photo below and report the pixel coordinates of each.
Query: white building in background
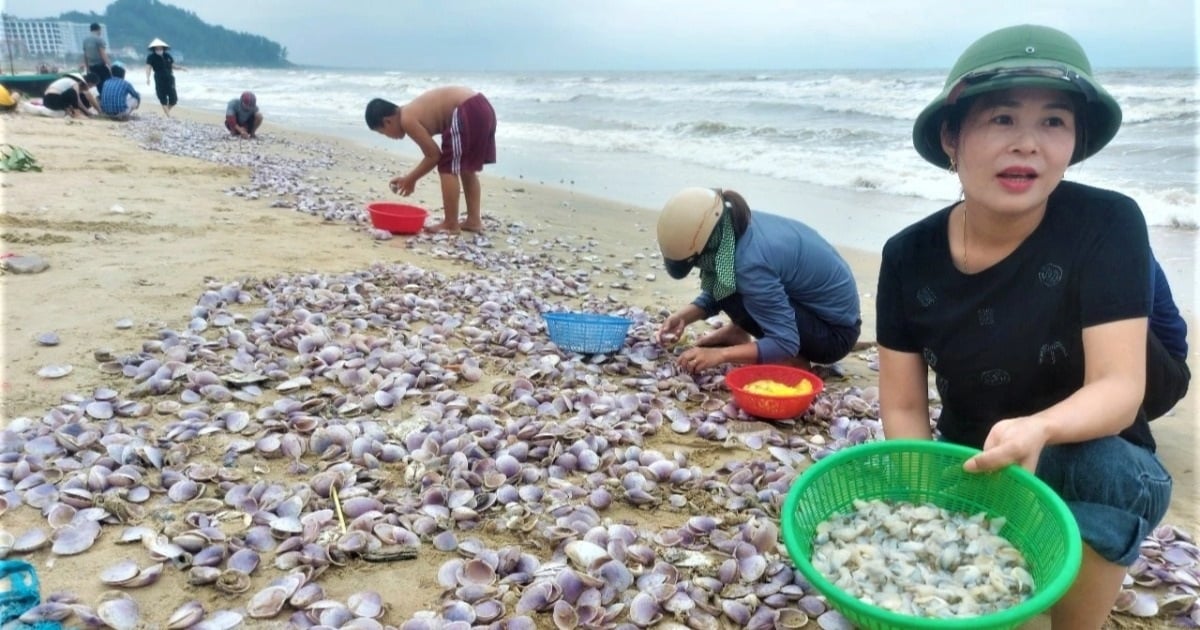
column 43, row 38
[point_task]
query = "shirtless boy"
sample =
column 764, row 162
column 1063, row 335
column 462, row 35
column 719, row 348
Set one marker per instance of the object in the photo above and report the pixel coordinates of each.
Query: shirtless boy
column 467, row 123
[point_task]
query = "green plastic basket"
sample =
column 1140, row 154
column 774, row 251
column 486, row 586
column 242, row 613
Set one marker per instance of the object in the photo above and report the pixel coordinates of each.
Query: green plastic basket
column 1038, row 523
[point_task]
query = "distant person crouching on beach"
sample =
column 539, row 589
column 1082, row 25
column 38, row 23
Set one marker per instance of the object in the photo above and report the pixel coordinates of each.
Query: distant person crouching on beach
column 242, row 117
column 71, row 94
column 790, row 297
column 467, row 123
column 118, row 99
column 163, row 65
column 1034, row 302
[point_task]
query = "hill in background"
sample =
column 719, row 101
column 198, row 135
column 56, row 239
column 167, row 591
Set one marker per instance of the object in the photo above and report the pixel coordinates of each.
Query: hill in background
column 134, row 23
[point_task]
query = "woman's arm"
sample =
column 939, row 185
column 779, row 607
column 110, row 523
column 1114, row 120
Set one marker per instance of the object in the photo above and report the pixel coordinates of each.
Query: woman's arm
column 87, row 99
column 1114, row 381
column 672, row 328
column 903, row 395
column 698, row 359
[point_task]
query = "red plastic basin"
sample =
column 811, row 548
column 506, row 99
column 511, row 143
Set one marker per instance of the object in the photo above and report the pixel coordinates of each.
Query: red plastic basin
column 772, row 407
column 397, row 218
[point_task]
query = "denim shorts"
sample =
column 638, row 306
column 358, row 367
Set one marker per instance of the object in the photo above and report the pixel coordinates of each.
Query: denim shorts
column 1117, row 491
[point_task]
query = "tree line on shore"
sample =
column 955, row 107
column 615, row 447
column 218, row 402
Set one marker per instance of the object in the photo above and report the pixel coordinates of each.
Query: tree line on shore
column 134, row 23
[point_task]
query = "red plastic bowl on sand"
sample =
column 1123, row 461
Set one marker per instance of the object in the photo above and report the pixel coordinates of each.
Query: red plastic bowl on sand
column 397, row 218
column 772, row 407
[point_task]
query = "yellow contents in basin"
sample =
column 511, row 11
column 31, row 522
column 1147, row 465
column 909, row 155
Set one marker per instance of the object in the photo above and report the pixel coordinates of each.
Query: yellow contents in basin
column 768, row 387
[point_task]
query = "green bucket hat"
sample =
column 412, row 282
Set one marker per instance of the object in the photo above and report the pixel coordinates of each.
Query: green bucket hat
column 1021, row 56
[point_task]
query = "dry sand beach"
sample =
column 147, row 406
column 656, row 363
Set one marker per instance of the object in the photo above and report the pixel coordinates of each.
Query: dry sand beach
column 141, row 235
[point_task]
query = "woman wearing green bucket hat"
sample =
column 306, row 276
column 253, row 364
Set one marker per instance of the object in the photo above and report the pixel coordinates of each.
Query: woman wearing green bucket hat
column 1029, row 300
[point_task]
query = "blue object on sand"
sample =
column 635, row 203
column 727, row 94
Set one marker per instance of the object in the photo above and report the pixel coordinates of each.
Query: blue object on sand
column 19, row 593
column 587, row 333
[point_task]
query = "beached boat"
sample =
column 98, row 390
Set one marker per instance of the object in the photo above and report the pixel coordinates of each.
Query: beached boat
column 28, row 84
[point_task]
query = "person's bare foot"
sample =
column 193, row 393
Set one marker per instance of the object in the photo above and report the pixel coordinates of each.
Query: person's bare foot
column 442, row 226
column 473, row 226
column 727, row 335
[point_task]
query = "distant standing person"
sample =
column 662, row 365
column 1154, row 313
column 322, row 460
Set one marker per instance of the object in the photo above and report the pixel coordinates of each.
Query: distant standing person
column 95, row 56
column 467, row 123
column 163, row 65
column 242, row 117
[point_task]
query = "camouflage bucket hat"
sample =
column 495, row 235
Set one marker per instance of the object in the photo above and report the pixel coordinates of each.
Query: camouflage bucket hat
column 1021, row 56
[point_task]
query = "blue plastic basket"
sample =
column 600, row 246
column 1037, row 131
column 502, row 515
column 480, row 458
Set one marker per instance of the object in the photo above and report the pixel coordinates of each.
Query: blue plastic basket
column 587, row 333
column 19, row 592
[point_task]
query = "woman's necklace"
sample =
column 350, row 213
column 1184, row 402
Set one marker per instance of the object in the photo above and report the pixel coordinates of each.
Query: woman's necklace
column 963, row 262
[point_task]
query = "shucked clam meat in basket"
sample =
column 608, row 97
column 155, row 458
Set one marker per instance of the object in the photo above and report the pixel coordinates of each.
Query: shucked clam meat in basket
column 771, row 387
column 922, row 560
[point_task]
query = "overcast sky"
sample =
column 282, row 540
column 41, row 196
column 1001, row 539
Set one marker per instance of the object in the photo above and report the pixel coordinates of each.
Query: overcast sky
column 677, row 34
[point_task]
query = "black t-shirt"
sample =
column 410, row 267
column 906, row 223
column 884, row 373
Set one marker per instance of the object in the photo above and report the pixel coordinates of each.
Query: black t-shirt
column 162, row 64
column 1008, row 341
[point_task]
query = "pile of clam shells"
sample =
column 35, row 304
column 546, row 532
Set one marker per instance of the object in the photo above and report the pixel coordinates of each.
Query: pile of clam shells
column 1165, row 579
column 921, row 560
column 310, row 423
column 428, row 413
column 280, row 169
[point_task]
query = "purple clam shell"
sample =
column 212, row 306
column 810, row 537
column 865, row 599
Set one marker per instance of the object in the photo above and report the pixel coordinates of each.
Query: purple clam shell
column 75, row 538
column 245, row 560
column 120, row 572
column 120, row 613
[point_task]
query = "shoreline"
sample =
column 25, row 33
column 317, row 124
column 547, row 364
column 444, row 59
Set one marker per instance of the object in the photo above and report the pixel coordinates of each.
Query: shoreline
column 859, row 220
column 179, row 233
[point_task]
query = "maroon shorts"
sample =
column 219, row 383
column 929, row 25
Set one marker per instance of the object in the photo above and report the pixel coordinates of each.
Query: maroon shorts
column 469, row 141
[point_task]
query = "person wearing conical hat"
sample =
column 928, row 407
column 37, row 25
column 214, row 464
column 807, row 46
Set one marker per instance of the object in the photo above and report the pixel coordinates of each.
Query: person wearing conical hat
column 1030, row 300
column 790, row 297
column 162, row 64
